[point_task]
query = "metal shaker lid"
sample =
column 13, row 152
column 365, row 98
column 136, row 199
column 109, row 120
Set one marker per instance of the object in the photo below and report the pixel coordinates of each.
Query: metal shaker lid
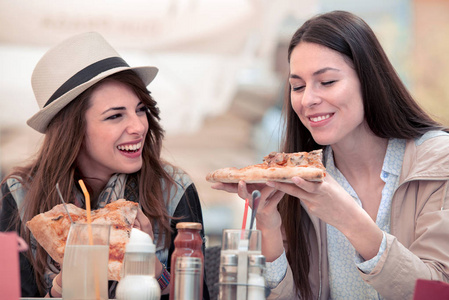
column 229, row 259
column 256, row 260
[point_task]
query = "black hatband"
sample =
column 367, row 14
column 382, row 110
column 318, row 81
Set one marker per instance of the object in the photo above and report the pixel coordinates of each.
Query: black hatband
column 87, row 74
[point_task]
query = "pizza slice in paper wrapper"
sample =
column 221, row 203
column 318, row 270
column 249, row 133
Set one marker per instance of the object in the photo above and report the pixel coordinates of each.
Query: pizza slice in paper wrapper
column 51, row 229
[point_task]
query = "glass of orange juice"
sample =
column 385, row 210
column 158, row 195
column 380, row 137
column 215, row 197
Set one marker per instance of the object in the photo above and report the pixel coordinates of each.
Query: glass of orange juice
column 85, row 264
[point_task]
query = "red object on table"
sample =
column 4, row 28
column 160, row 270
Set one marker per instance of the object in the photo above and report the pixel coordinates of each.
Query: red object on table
column 188, row 242
column 245, row 214
column 431, row 289
column 9, row 262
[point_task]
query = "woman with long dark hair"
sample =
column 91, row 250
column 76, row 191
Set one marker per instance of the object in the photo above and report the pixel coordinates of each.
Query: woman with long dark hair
column 101, row 125
column 379, row 220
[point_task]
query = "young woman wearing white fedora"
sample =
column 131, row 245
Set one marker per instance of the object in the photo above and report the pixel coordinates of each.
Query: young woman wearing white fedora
column 102, row 126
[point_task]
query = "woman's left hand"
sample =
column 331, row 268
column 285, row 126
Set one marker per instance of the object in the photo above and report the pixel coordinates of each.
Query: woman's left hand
column 143, row 223
column 332, row 204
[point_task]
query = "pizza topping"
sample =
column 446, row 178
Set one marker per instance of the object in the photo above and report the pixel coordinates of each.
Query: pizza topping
column 298, row 160
column 275, row 158
column 305, row 159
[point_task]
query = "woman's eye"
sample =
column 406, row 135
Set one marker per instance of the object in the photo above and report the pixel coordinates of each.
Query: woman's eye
column 297, row 88
column 142, row 109
column 113, row 117
column 328, row 82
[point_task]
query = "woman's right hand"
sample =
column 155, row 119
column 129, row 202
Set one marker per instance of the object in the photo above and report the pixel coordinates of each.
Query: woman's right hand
column 268, row 218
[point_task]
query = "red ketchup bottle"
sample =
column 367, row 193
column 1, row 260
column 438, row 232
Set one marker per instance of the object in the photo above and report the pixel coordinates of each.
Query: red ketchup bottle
column 187, row 272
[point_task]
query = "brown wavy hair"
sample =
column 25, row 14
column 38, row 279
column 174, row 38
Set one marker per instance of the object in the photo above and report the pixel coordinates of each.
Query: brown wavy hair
column 390, row 112
column 55, row 162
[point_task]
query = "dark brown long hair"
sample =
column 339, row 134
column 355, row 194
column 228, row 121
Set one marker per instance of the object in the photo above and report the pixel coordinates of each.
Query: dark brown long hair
column 56, row 162
column 390, row 110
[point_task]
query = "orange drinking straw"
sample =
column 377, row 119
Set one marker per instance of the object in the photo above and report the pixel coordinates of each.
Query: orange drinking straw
column 89, row 229
column 89, row 218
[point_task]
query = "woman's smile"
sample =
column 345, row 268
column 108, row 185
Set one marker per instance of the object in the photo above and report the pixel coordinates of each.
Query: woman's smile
column 318, row 119
column 131, row 150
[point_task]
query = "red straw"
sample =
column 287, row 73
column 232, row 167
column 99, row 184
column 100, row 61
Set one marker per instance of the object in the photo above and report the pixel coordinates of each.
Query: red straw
column 245, row 214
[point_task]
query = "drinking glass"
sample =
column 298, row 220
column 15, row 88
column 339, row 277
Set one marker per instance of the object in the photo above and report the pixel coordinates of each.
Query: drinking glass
column 242, row 239
column 85, row 264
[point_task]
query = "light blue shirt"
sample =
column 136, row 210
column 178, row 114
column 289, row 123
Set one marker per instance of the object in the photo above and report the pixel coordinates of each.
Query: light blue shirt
column 344, row 262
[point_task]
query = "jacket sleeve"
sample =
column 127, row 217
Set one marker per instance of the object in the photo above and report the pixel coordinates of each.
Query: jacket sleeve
column 425, row 253
column 285, row 289
column 8, row 216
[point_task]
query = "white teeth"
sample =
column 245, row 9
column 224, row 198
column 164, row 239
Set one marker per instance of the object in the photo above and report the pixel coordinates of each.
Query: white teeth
column 130, row 147
column 320, row 118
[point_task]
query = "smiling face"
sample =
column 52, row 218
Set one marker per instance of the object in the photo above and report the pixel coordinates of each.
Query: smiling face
column 326, row 94
column 116, row 126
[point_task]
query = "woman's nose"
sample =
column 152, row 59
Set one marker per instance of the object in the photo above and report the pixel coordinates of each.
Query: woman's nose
column 137, row 124
column 310, row 97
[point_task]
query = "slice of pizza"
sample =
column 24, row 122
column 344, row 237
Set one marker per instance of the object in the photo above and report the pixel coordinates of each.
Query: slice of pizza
column 276, row 166
column 51, row 229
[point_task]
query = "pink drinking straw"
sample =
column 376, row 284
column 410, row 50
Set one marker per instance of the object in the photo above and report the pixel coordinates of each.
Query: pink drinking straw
column 245, row 214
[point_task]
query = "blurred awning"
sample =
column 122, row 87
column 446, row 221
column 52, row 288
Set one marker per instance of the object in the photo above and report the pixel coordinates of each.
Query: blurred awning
column 205, row 49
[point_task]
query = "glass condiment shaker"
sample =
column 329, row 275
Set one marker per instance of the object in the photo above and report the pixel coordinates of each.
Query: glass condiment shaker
column 188, row 243
column 256, row 279
column 228, row 276
column 138, row 282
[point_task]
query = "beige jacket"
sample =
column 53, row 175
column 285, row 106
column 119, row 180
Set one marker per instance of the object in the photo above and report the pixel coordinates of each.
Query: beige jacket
column 418, row 245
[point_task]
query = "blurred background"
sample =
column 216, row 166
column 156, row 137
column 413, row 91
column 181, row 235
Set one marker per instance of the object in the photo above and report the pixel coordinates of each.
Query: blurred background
column 222, row 69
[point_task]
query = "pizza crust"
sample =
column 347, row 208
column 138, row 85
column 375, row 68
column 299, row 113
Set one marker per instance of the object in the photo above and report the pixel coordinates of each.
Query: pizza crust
column 50, row 229
column 280, row 167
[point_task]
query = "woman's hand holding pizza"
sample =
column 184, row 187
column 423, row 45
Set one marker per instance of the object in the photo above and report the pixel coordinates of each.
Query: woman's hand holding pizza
column 333, row 205
column 267, row 216
column 143, row 223
column 327, row 200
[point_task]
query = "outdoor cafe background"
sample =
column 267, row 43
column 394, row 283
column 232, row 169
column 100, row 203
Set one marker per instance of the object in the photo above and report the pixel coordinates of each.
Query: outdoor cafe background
column 222, row 68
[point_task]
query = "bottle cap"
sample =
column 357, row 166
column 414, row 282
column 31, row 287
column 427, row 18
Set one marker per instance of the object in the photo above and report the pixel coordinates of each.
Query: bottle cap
column 189, row 225
column 140, row 241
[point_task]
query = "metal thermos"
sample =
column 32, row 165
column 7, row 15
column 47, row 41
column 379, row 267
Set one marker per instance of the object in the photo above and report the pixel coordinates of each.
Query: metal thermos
column 188, row 278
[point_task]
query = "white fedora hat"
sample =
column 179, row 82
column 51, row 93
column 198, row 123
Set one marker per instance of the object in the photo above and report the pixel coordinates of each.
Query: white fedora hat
column 70, row 68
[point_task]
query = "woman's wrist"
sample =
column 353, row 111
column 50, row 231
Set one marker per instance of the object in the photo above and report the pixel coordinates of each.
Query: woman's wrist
column 164, row 278
column 272, row 244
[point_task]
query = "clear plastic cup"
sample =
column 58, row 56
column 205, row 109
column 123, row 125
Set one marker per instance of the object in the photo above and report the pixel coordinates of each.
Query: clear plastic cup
column 237, row 239
column 85, row 264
